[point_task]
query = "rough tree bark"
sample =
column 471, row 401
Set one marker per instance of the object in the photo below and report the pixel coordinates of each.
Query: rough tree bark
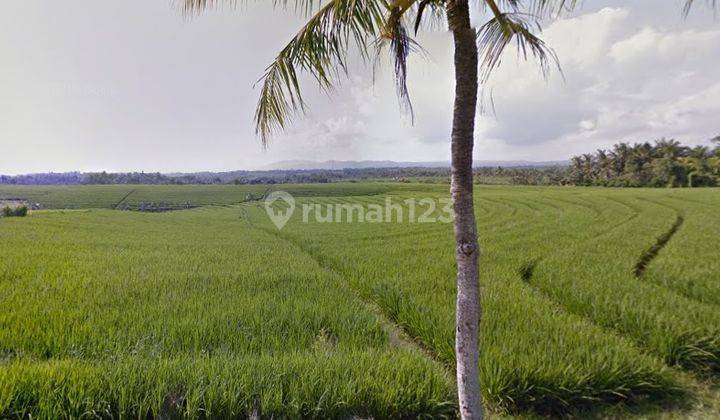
column 467, row 320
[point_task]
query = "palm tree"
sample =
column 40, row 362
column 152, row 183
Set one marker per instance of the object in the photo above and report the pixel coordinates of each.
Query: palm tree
column 577, row 172
column 667, row 169
column 699, row 152
column 698, row 166
column 641, row 155
column 589, row 167
column 619, row 155
column 320, row 49
column 605, row 165
column 670, row 149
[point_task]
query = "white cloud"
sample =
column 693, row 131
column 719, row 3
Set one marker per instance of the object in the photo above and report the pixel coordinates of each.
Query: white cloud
column 101, row 87
column 622, row 83
column 624, row 79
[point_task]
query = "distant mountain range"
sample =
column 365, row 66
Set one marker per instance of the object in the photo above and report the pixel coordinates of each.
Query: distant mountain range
column 364, row 164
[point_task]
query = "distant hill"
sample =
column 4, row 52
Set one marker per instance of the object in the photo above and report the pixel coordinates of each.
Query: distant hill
column 364, row 164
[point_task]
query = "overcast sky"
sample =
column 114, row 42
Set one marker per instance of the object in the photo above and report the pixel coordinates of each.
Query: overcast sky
column 134, row 85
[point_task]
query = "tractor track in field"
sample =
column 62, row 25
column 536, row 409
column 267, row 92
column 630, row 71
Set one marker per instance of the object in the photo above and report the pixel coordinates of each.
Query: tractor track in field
column 490, row 204
column 661, row 204
column 612, row 229
column 582, row 241
column 510, row 223
column 685, row 199
column 397, row 335
column 500, row 202
column 529, row 205
column 124, row 198
column 649, row 254
column 400, row 335
column 665, row 285
column 583, row 203
column 652, row 252
column 695, row 380
column 549, row 203
column 662, row 240
column 526, row 271
column 635, row 213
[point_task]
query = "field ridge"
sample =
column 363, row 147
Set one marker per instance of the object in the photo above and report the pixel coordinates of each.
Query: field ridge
column 394, row 330
column 652, row 252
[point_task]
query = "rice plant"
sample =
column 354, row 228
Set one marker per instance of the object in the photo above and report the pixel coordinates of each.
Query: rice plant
column 214, row 312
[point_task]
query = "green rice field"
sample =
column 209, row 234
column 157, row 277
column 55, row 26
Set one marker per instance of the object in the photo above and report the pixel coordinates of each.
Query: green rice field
column 596, row 303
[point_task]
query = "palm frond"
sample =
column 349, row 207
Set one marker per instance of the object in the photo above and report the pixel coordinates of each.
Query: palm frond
column 319, row 49
column 552, row 8
column 499, row 32
column 537, row 8
column 400, row 47
column 689, row 5
column 196, row 6
column 418, row 17
column 429, row 11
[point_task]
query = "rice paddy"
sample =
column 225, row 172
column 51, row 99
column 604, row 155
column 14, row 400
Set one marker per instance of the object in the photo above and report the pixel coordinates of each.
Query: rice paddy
column 214, row 312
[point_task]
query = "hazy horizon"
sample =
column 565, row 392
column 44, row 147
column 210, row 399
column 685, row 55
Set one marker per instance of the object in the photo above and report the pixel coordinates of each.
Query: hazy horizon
column 321, row 165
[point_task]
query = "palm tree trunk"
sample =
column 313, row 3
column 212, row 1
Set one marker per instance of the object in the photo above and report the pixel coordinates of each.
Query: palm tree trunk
column 467, row 321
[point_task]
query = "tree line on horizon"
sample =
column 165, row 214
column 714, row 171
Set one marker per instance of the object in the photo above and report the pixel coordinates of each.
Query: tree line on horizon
column 666, row 163
column 279, row 176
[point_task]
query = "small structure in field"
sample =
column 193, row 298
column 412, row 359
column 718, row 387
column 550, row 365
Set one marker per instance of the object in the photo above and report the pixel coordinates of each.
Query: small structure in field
column 14, row 207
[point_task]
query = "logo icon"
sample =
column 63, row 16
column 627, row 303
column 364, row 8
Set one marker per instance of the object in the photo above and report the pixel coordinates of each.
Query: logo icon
column 279, row 214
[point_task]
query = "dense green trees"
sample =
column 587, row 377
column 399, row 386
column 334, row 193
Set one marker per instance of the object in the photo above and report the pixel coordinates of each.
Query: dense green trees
column 19, row 211
column 667, row 163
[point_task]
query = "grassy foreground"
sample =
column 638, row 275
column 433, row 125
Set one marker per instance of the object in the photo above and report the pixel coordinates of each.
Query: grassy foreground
column 215, row 312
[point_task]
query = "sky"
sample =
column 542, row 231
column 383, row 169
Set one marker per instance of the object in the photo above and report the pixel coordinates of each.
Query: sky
column 134, row 85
